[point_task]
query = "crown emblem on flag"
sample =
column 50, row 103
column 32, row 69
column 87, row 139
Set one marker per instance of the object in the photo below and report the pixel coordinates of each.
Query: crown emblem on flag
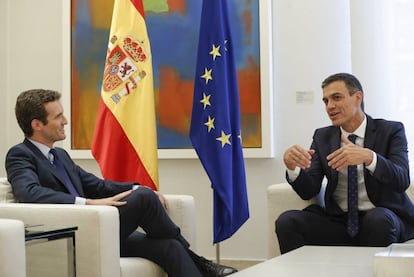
column 135, row 49
column 122, row 71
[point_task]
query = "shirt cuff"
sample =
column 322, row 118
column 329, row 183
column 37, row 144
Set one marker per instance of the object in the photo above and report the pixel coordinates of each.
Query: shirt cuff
column 134, row 187
column 371, row 168
column 293, row 174
column 80, row 201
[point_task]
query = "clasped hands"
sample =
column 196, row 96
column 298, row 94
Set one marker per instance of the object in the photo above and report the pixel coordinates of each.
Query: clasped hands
column 348, row 154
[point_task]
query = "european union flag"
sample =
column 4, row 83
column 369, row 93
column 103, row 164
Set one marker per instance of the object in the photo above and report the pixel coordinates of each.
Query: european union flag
column 215, row 125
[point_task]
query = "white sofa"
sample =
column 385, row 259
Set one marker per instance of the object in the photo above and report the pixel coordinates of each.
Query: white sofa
column 12, row 250
column 281, row 197
column 97, row 239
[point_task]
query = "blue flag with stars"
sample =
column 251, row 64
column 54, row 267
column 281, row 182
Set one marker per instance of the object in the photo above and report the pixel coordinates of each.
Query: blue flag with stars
column 215, row 125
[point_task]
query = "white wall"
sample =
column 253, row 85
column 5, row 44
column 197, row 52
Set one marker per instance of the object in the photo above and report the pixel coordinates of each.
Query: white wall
column 311, row 40
column 3, row 79
column 370, row 63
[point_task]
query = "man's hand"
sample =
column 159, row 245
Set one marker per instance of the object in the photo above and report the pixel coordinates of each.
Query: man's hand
column 296, row 156
column 110, row 201
column 349, row 154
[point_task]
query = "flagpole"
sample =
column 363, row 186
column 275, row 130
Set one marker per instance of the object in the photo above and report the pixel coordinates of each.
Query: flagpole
column 218, row 253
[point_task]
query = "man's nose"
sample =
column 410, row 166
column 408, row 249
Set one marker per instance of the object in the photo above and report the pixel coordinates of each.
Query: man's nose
column 330, row 104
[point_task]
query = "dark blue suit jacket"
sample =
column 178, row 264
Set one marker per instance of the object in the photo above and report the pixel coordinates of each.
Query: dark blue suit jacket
column 385, row 187
column 35, row 180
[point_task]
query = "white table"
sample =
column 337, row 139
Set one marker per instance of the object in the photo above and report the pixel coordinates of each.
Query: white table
column 318, row 261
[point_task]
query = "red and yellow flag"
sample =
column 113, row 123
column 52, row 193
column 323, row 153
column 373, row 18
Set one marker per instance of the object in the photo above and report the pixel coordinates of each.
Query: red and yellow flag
column 125, row 139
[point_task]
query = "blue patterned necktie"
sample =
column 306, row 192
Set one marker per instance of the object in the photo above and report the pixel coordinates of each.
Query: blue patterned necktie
column 62, row 173
column 352, row 224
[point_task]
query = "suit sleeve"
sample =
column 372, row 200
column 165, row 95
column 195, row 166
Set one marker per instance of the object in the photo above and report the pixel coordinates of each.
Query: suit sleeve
column 93, row 186
column 24, row 174
column 392, row 158
column 308, row 183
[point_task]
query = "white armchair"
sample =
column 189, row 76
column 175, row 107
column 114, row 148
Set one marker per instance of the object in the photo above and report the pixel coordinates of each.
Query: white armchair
column 12, row 250
column 97, row 238
column 281, row 197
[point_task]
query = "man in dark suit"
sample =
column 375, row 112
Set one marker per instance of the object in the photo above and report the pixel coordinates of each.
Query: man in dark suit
column 378, row 212
column 41, row 173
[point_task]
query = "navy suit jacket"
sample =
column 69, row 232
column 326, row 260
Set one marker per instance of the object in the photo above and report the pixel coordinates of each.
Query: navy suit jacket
column 35, row 180
column 385, row 187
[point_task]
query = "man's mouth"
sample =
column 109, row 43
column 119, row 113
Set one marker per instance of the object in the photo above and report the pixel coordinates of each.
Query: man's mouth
column 333, row 114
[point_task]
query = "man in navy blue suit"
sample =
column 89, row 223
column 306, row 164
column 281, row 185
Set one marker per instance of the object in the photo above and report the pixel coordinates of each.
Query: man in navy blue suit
column 384, row 214
column 42, row 173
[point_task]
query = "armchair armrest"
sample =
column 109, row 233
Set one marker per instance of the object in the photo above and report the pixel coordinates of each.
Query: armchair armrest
column 12, row 250
column 182, row 211
column 97, row 238
column 280, row 198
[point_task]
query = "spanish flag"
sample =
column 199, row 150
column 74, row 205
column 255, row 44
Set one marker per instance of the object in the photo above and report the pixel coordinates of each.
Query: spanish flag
column 125, row 139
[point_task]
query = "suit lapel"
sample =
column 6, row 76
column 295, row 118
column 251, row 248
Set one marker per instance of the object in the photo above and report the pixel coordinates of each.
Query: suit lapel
column 40, row 155
column 334, row 143
column 75, row 180
column 369, row 140
column 52, row 169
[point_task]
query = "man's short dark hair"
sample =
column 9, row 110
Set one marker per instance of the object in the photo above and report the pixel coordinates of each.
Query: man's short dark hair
column 351, row 82
column 30, row 105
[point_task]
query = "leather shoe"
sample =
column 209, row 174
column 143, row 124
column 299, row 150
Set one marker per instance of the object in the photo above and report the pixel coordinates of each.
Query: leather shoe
column 210, row 269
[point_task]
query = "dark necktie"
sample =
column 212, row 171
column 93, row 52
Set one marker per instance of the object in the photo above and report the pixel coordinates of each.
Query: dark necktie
column 352, row 225
column 62, row 173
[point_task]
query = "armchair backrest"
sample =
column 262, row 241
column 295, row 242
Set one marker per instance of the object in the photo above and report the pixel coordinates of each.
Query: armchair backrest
column 6, row 193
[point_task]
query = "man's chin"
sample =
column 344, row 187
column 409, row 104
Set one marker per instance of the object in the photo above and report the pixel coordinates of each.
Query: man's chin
column 335, row 123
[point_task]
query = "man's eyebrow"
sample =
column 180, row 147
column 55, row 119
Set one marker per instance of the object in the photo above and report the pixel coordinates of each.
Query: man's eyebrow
column 59, row 114
column 335, row 94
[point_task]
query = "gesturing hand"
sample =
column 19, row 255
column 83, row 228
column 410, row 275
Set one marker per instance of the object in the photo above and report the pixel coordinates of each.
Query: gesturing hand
column 110, row 201
column 297, row 156
column 349, row 154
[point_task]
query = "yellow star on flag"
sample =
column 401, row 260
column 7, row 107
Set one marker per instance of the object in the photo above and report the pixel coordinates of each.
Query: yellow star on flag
column 206, row 100
column 225, row 139
column 207, row 75
column 215, row 52
column 210, row 123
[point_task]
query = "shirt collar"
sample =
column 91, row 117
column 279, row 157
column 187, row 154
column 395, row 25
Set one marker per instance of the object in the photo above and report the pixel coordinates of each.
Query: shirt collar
column 43, row 148
column 360, row 131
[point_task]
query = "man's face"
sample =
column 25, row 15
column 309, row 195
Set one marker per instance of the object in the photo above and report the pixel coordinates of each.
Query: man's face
column 54, row 129
column 343, row 109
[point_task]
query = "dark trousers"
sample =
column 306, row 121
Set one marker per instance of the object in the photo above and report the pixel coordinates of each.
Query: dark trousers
column 161, row 243
column 313, row 226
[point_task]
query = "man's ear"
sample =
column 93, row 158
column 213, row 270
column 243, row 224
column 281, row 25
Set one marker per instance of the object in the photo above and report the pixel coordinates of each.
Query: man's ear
column 360, row 96
column 36, row 124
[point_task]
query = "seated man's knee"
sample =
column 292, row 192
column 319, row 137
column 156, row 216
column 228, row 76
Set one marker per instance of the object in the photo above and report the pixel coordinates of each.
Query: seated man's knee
column 380, row 227
column 142, row 196
column 284, row 221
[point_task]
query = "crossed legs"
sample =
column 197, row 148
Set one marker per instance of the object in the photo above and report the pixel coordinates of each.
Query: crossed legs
column 162, row 242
